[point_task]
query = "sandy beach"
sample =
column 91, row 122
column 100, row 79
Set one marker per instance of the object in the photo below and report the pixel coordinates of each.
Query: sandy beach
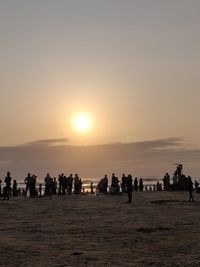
column 157, row 229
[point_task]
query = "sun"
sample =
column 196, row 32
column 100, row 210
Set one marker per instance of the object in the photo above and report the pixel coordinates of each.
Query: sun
column 82, row 122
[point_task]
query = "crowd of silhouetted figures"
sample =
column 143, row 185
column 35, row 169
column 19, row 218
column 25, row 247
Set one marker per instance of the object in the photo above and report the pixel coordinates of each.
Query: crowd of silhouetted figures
column 73, row 185
column 52, row 186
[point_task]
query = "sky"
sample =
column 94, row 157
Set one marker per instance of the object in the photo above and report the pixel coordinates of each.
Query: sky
column 132, row 65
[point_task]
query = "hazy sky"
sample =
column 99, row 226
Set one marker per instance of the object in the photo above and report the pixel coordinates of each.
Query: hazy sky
column 133, row 65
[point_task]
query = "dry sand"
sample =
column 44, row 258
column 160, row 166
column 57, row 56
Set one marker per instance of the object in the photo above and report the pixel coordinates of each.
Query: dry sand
column 158, row 229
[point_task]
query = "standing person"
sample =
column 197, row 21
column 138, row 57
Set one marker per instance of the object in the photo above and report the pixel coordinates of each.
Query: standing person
column 76, row 184
column 54, row 186
column 92, row 188
column 136, row 184
column 40, row 190
column 165, row 183
column 34, row 181
column 27, row 182
column 168, row 181
column 190, row 189
column 48, row 186
column 15, row 191
column 175, row 182
column 141, row 185
column 105, row 184
column 70, row 184
column 115, row 184
column 7, row 190
column 64, row 185
column 32, row 184
column 129, row 188
column 60, row 184
column 80, row 185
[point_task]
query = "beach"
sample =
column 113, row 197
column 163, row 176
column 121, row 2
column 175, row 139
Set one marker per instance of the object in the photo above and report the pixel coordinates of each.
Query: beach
column 157, row 229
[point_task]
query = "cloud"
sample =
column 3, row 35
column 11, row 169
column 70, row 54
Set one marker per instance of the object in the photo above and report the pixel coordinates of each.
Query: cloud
column 48, row 142
column 56, row 155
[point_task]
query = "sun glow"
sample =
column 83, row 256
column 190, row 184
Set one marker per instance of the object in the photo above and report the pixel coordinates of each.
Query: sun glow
column 82, row 122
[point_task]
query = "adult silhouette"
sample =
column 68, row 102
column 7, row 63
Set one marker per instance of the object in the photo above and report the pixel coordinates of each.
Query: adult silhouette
column 129, row 188
column 7, row 189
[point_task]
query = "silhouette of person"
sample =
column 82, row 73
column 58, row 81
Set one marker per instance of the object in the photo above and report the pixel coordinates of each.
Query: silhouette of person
column 76, row 184
column 136, row 184
column 70, row 184
column 64, row 185
column 48, row 186
column 31, row 185
column 123, row 184
column 141, row 185
column 15, row 191
column 190, row 189
column 34, row 179
column 100, row 186
column 60, row 184
column 80, row 184
column 7, row 189
column 92, row 188
column 129, row 188
column 27, row 181
column 54, row 186
column 166, row 182
column 105, row 184
column 175, row 182
column 115, row 184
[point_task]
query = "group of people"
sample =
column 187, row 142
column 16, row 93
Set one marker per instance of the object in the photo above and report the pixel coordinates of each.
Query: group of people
column 126, row 185
column 180, row 182
column 68, row 185
column 118, row 186
column 64, row 186
column 7, row 188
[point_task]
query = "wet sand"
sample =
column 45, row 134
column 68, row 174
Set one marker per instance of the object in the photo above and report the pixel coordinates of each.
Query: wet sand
column 157, row 229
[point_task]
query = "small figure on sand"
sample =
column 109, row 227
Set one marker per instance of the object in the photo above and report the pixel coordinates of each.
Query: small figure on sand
column 124, row 183
column 70, row 184
column 7, row 188
column 136, row 184
column 166, row 182
column 48, row 186
column 15, row 191
column 141, row 185
column 114, row 189
column 92, row 188
column 129, row 188
column 190, row 189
